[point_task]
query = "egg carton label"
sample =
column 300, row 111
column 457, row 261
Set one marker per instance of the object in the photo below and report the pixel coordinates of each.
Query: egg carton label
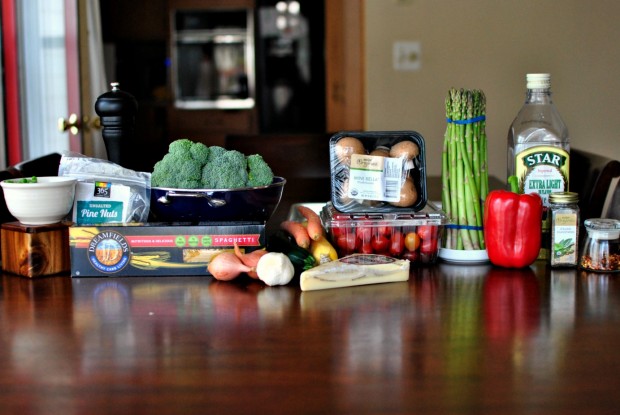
column 375, row 178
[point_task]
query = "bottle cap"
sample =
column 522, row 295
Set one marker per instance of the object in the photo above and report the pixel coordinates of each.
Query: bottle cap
column 564, row 197
column 538, row 80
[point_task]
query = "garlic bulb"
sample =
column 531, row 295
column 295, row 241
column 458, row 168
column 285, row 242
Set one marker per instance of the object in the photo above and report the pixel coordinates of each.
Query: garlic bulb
column 274, row 268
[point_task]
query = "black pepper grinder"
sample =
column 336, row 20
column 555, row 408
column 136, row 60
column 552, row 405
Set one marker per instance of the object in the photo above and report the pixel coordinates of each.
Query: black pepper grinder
column 117, row 110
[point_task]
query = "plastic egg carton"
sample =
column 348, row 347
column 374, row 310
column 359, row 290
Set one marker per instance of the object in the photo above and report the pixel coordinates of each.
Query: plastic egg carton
column 378, row 171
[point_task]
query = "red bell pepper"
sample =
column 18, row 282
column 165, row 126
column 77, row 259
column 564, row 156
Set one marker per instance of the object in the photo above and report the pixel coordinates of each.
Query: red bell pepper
column 512, row 228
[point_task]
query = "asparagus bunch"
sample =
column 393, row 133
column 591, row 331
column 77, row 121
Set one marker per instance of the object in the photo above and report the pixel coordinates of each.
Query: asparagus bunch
column 465, row 181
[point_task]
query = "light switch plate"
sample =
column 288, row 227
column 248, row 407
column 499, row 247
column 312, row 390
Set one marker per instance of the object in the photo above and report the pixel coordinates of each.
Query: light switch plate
column 407, row 55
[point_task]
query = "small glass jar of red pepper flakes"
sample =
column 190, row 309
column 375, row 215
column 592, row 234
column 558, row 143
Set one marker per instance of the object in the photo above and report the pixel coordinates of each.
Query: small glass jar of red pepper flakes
column 601, row 250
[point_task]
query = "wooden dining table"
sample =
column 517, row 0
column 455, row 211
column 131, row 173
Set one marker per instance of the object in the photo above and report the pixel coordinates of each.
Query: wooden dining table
column 454, row 339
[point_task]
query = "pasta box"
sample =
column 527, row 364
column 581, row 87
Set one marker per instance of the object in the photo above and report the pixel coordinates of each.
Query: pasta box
column 157, row 249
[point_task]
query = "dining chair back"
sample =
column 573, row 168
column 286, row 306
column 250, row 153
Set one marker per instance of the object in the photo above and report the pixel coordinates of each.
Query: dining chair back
column 596, row 179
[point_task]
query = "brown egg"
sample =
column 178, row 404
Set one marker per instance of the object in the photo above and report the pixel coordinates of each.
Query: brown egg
column 405, row 148
column 408, row 194
column 380, row 151
column 347, row 146
column 342, row 192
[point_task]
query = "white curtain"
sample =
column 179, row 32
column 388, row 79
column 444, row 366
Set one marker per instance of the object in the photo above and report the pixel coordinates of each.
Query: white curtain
column 98, row 82
column 43, row 73
column 3, row 163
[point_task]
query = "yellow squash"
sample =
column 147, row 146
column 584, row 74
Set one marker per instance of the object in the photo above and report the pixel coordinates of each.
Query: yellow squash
column 323, row 251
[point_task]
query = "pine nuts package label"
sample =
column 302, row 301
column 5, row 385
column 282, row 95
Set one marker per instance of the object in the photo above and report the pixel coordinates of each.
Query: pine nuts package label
column 378, row 171
column 106, row 192
column 100, row 202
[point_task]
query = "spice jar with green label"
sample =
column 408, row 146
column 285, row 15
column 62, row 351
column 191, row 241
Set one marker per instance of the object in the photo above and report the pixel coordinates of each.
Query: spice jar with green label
column 564, row 220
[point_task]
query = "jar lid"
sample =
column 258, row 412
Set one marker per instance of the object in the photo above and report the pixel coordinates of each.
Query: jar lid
column 602, row 228
column 564, row 197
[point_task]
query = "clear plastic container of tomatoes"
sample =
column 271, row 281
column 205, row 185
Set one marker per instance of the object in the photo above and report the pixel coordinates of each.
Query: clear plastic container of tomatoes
column 415, row 236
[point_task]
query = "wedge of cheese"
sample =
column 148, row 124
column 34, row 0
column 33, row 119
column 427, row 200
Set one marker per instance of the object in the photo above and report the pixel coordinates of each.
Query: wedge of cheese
column 357, row 269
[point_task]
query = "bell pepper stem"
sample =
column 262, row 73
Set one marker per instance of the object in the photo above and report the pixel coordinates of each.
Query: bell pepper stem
column 513, row 181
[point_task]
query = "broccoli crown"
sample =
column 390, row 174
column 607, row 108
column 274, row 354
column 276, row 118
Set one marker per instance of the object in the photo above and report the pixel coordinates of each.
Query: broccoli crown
column 165, row 171
column 228, row 171
column 162, row 167
column 190, row 169
column 200, row 153
column 189, row 184
column 161, row 179
column 235, row 158
column 190, row 165
column 215, row 152
column 175, row 168
column 168, row 182
column 181, row 146
column 259, row 174
column 216, row 176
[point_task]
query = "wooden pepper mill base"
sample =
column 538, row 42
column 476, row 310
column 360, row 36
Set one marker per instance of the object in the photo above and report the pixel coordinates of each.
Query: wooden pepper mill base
column 35, row 251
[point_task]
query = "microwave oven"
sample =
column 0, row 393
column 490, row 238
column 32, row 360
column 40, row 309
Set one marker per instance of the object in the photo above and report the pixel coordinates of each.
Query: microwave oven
column 212, row 59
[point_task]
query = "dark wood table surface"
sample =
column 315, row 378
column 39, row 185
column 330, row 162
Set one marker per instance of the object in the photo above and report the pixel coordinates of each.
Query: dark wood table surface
column 454, row 339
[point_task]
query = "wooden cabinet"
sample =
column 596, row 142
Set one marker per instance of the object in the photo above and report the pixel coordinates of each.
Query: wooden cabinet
column 344, row 51
column 210, row 126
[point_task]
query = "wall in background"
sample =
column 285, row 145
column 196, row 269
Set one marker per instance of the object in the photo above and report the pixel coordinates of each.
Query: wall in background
column 491, row 45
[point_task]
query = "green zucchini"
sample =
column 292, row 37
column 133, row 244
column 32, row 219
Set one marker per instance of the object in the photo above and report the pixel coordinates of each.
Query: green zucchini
column 282, row 241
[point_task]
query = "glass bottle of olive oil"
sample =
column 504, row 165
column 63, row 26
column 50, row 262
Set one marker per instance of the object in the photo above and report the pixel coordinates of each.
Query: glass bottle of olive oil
column 538, row 148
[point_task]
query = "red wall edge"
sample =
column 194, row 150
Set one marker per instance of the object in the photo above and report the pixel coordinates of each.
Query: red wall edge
column 11, row 82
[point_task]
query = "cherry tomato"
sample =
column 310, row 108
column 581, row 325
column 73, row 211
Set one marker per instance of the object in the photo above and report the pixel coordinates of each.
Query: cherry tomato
column 364, row 233
column 427, row 231
column 338, row 231
column 428, row 245
column 383, row 230
column 347, row 242
column 366, row 248
column 379, row 243
column 397, row 244
column 429, row 238
column 412, row 241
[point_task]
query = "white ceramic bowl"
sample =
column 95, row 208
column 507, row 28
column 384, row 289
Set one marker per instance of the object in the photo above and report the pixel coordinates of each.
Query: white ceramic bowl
column 45, row 202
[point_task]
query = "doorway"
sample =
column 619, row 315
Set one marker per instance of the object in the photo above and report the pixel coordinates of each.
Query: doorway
column 39, row 57
column 290, row 44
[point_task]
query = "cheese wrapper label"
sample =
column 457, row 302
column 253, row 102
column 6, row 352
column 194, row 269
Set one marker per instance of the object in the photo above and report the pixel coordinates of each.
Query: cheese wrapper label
column 353, row 270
